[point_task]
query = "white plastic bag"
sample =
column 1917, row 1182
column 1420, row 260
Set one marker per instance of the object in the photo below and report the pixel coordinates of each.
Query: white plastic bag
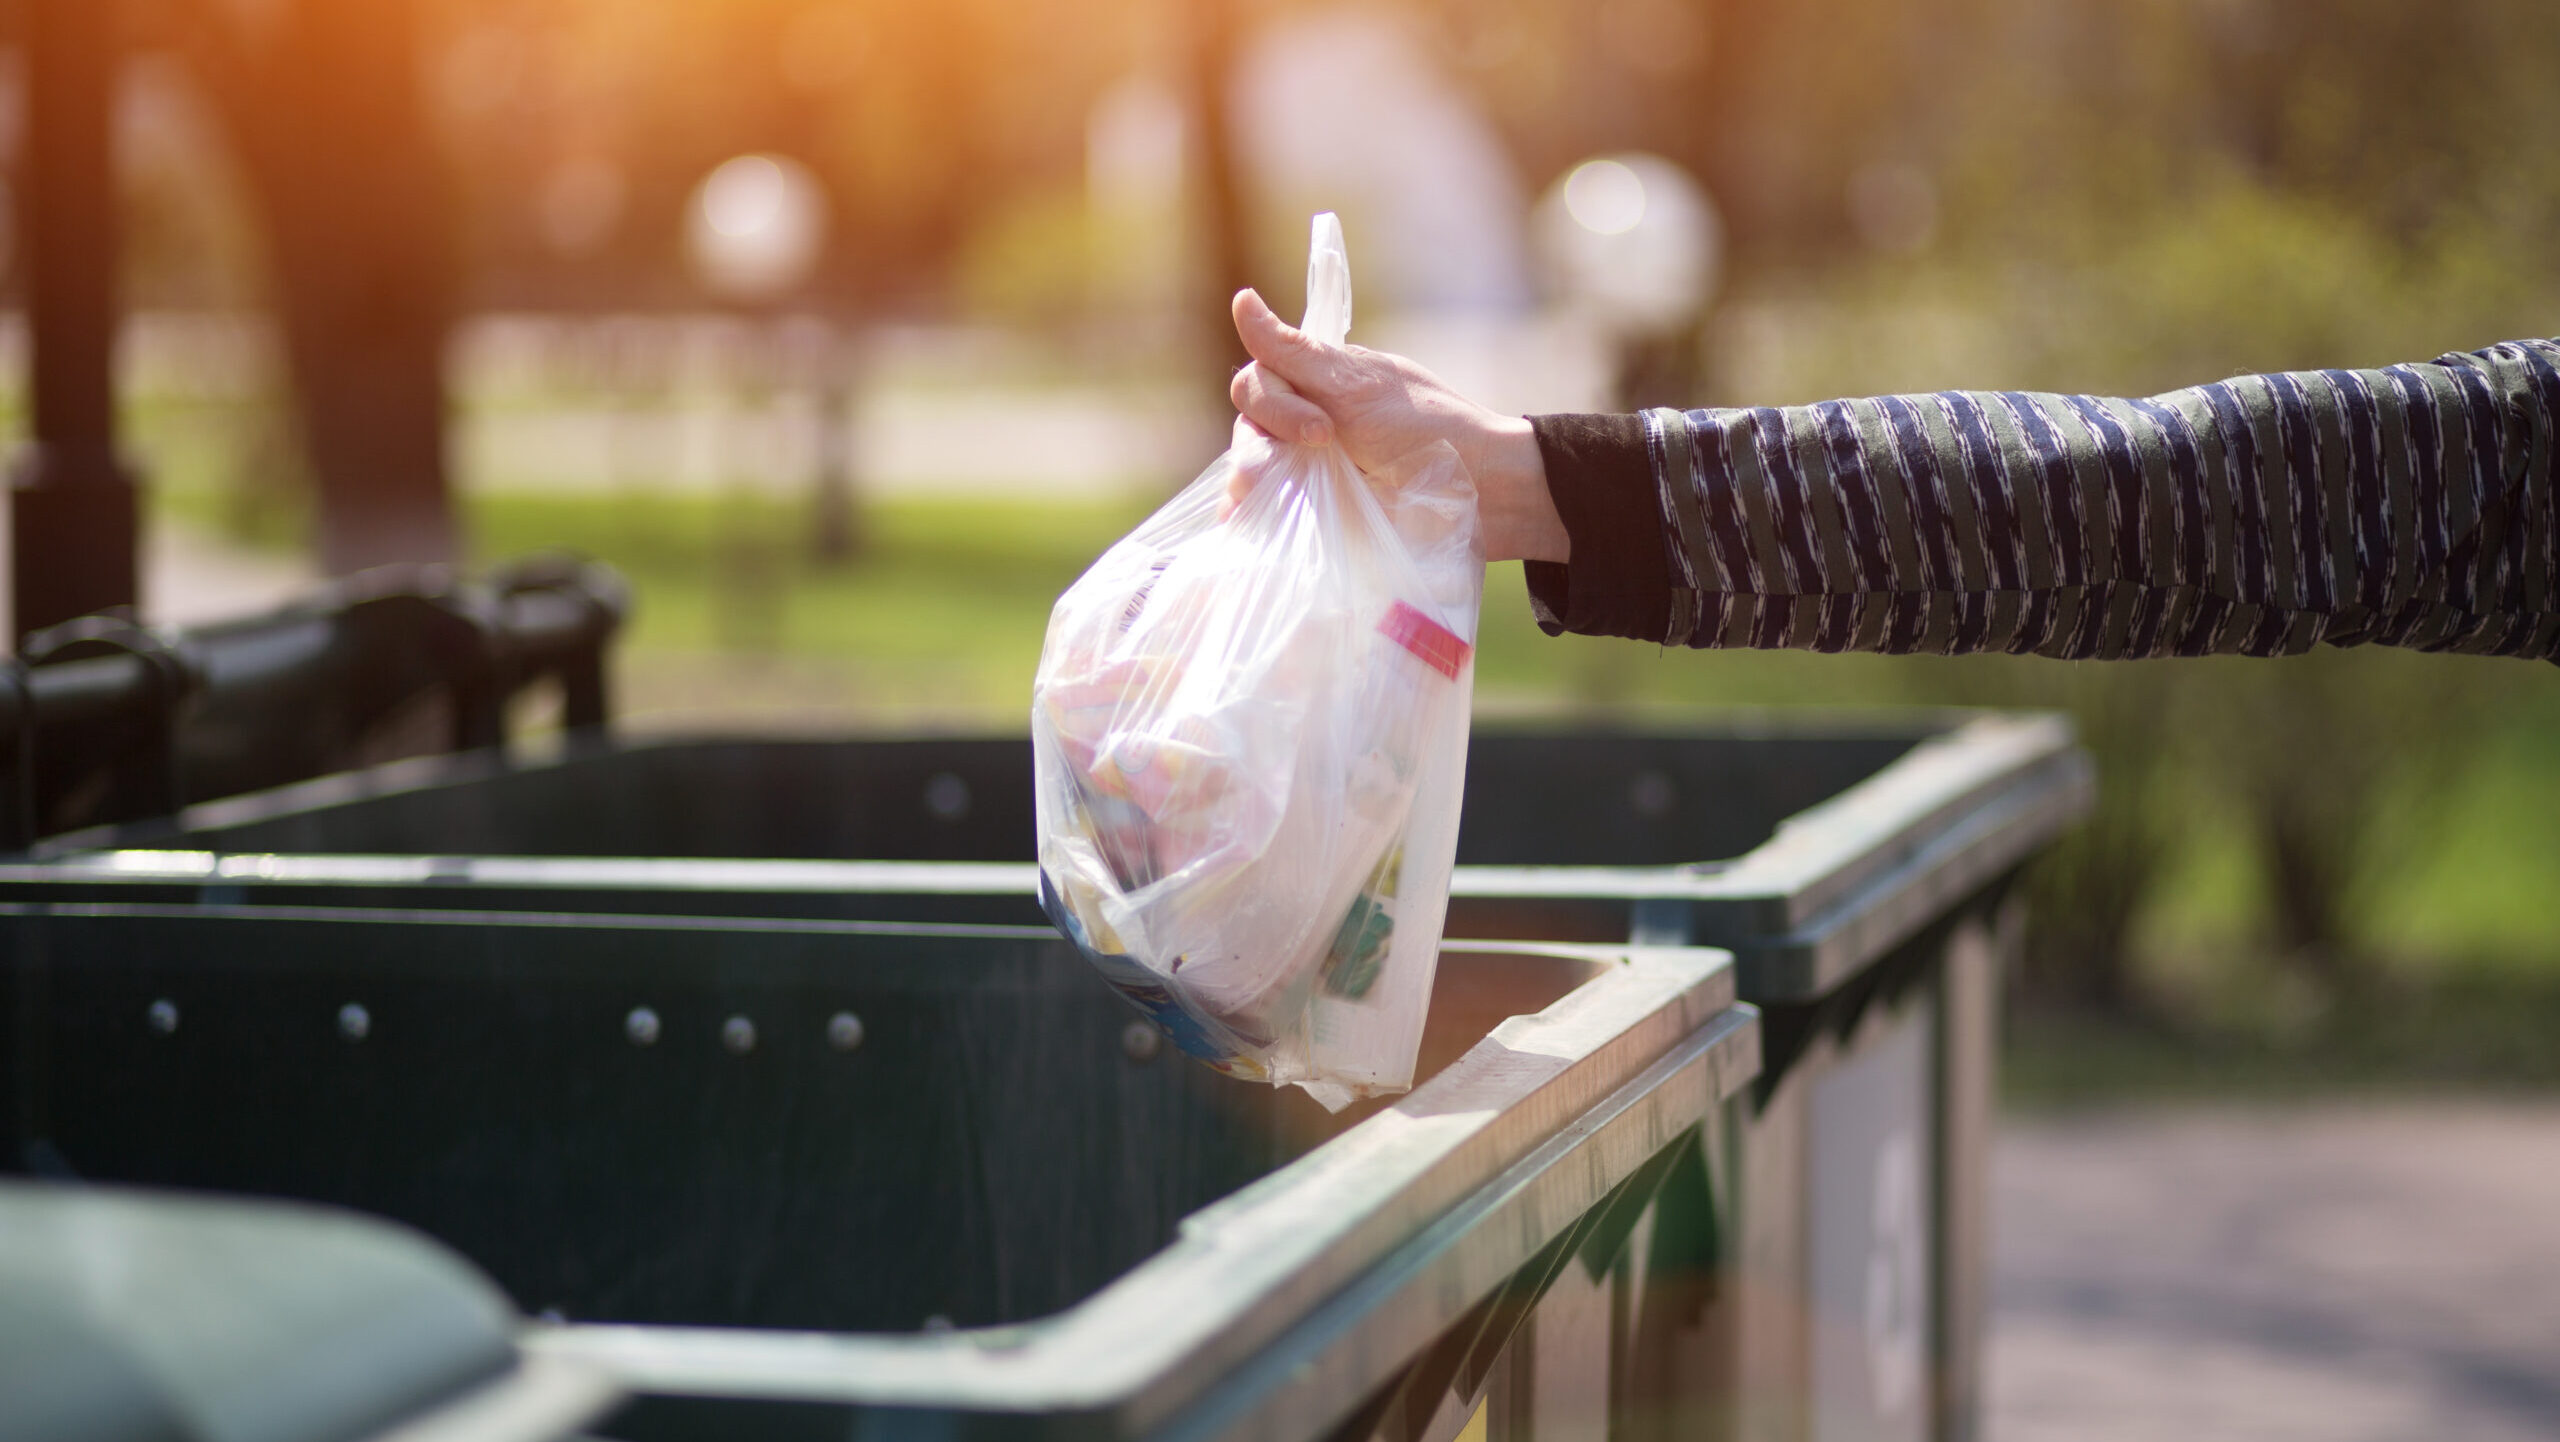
column 1249, row 729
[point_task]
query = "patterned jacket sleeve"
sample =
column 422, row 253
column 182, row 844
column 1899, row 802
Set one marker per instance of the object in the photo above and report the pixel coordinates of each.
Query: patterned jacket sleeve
column 2262, row 515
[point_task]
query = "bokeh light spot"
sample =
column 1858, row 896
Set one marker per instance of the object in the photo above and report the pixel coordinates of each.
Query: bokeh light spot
column 1604, row 197
column 743, row 196
column 1632, row 240
column 755, row 226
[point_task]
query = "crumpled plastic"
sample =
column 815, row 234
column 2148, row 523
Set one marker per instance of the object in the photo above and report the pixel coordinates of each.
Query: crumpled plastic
column 1249, row 730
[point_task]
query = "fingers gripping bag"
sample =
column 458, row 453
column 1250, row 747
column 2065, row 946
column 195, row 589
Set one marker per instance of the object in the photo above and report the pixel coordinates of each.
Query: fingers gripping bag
column 1249, row 731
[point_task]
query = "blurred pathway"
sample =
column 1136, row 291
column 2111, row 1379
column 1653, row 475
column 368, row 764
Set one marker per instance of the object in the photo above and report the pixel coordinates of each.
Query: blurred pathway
column 191, row 576
column 2348, row 1273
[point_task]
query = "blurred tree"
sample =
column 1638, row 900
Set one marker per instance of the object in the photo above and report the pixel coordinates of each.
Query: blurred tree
column 73, row 524
column 2317, row 750
column 1215, row 27
column 321, row 100
column 921, row 123
column 2091, row 895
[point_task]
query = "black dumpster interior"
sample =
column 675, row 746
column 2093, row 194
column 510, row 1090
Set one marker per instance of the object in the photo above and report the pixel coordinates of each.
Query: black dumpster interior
column 990, row 1150
column 1567, row 798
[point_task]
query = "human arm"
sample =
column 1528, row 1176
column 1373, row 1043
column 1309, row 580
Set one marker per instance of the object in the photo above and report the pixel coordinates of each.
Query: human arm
column 2260, row 515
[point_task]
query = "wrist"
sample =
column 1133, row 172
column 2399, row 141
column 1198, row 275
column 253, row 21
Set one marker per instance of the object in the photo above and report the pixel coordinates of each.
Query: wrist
column 1521, row 522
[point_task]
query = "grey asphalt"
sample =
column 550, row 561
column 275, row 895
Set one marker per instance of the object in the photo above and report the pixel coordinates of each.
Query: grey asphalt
column 2345, row 1272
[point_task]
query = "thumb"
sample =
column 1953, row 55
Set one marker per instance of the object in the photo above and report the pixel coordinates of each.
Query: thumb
column 1288, row 352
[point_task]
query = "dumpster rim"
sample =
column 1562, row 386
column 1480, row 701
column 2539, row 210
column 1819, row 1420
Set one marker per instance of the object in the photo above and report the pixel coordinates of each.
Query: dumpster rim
column 439, row 770
column 1832, row 888
column 1812, row 862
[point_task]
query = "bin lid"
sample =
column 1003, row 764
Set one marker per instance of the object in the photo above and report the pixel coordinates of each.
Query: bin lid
column 138, row 1315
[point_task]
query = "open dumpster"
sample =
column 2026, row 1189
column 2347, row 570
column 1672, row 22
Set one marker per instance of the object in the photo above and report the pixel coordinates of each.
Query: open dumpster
column 792, row 1178
column 1855, row 866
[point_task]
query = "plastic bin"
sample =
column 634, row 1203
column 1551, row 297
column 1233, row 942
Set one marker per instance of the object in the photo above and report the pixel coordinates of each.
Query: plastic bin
column 784, row 1179
column 1854, row 866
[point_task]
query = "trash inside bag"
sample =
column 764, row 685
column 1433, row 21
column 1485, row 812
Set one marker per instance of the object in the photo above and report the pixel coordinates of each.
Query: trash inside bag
column 1249, row 729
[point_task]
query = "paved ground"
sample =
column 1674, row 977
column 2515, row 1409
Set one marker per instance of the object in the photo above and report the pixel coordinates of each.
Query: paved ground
column 2344, row 1273
column 189, row 577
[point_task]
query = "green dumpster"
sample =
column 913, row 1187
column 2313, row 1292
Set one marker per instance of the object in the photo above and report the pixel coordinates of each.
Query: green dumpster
column 1855, row 866
column 803, row 1178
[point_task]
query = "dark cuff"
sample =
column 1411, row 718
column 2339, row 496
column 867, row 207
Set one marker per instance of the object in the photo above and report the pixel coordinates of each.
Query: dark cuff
column 1618, row 582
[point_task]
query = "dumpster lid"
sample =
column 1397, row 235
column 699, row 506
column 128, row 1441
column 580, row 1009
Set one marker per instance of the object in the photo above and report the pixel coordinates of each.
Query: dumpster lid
column 134, row 1314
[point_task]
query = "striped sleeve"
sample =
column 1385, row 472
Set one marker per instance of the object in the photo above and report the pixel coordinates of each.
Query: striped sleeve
column 2262, row 515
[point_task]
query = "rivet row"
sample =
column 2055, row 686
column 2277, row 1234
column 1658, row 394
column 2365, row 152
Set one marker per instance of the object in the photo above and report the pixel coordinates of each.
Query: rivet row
column 642, row 1027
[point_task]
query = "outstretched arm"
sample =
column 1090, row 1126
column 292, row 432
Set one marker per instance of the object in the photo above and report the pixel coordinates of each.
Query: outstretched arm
column 2258, row 516
column 2261, row 515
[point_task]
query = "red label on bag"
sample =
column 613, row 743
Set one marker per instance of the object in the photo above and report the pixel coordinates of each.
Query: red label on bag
column 1437, row 645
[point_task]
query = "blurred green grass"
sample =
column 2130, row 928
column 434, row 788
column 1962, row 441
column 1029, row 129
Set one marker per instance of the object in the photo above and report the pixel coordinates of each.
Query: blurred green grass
column 2463, row 1028
column 954, row 594
column 959, row 587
